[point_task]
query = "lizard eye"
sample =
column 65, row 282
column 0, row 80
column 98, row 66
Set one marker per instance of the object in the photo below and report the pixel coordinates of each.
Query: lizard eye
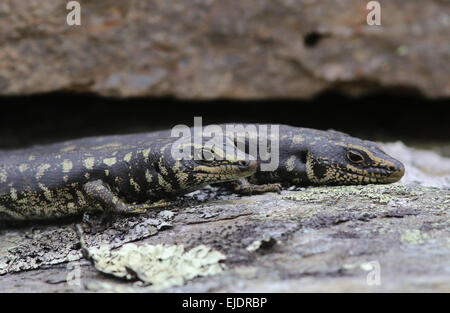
column 203, row 155
column 355, row 157
column 208, row 155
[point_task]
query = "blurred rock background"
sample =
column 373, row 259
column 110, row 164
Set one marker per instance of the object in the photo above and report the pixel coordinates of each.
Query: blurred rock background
column 208, row 49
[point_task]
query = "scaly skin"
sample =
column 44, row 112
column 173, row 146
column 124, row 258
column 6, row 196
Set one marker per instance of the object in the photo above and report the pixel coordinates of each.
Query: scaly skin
column 315, row 157
column 122, row 174
column 40, row 182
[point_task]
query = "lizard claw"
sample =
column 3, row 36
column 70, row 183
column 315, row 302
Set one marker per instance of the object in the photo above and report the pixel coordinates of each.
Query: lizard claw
column 278, row 188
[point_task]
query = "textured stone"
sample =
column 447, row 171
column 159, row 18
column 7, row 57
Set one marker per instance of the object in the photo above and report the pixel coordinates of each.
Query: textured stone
column 310, row 239
column 212, row 48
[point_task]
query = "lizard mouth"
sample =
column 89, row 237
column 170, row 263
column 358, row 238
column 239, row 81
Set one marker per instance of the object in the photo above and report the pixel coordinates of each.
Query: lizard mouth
column 235, row 170
column 397, row 175
column 382, row 176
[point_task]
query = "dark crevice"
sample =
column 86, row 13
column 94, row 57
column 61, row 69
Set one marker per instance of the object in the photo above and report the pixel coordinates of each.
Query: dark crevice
column 384, row 115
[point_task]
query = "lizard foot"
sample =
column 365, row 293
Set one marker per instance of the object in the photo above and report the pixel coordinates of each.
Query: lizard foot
column 142, row 208
column 257, row 189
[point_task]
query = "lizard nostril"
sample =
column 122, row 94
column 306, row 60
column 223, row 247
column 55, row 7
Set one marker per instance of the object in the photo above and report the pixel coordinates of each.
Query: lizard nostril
column 392, row 168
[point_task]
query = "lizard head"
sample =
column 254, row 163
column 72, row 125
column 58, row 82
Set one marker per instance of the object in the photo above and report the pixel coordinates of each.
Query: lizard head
column 215, row 162
column 339, row 159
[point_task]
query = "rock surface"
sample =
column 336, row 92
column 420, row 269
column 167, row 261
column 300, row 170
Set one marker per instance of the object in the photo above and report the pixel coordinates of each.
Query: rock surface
column 211, row 48
column 307, row 239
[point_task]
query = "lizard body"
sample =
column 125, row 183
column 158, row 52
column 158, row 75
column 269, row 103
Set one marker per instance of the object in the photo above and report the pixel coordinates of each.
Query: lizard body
column 65, row 178
column 314, row 157
column 123, row 174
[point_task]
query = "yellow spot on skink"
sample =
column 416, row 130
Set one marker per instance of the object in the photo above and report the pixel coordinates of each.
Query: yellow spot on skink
column 162, row 182
column 41, row 170
column 110, row 161
column 290, row 163
column 23, row 167
column 148, row 176
column 128, row 157
column 135, row 185
column 67, row 166
column 47, row 192
column 89, row 163
column 3, row 176
column 297, row 139
column 13, row 194
column 146, row 154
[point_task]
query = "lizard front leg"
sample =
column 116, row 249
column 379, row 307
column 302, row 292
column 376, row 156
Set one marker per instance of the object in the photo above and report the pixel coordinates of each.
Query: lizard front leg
column 99, row 193
column 244, row 187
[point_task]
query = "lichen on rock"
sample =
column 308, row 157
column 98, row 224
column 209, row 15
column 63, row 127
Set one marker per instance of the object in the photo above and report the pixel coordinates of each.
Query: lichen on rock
column 161, row 266
column 306, row 239
column 378, row 193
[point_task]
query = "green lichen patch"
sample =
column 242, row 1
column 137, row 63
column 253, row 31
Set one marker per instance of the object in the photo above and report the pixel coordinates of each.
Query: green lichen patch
column 414, row 237
column 161, row 266
column 378, row 193
column 40, row 245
